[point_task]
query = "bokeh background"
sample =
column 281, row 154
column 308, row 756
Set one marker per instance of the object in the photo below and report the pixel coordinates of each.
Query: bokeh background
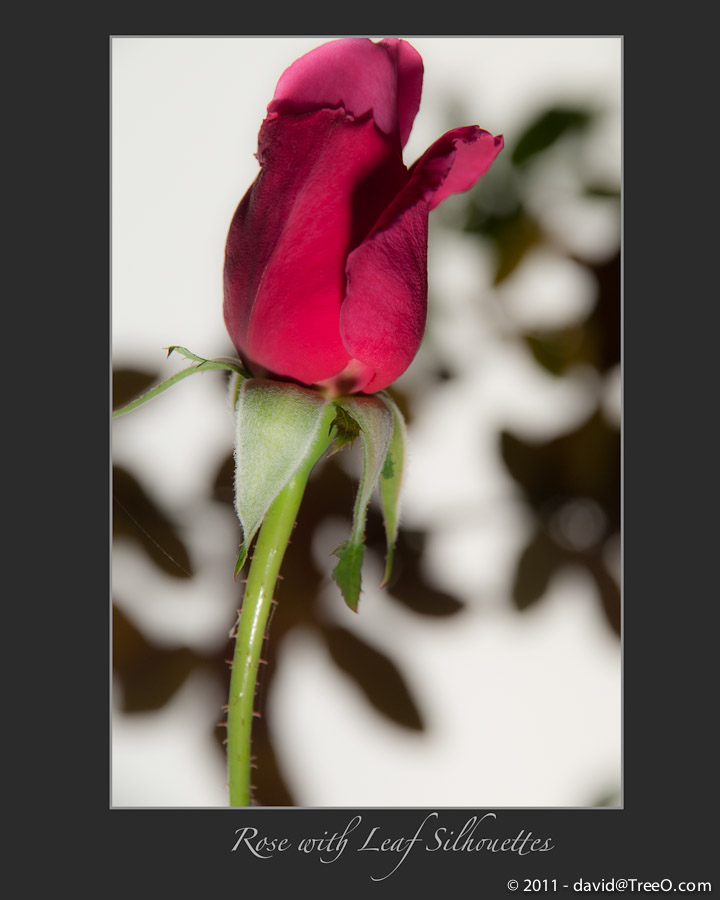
column 488, row 673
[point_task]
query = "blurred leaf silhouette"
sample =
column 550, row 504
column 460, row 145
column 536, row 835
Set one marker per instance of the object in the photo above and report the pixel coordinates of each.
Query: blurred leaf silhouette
column 511, row 230
column 150, row 675
column 136, row 516
column 584, row 463
column 546, row 129
column 571, row 483
column 130, row 383
column 407, row 584
column 375, row 674
column 595, row 342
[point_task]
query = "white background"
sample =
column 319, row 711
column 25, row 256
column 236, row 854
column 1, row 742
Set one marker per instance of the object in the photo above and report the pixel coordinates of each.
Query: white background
column 522, row 709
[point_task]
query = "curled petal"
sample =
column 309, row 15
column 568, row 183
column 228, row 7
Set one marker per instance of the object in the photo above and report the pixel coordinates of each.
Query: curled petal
column 359, row 76
column 383, row 316
column 469, row 151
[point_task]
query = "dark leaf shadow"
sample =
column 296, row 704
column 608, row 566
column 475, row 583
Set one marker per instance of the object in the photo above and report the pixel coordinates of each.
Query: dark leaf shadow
column 535, row 568
column 149, row 675
column 408, row 584
column 138, row 518
column 572, row 485
column 375, row 674
column 127, row 384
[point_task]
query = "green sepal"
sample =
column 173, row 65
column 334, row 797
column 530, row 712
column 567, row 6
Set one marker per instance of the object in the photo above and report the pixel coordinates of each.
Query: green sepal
column 203, row 365
column 391, row 478
column 242, row 556
column 376, row 423
column 347, row 571
column 223, row 362
column 280, row 429
column 346, row 429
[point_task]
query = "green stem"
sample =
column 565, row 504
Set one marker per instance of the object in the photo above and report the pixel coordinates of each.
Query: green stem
column 267, row 558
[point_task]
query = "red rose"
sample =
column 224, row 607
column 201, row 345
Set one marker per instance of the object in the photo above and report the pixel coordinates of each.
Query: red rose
column 326, row 258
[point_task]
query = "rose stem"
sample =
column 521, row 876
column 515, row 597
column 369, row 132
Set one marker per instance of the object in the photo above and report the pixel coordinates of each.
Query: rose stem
column 267, row 557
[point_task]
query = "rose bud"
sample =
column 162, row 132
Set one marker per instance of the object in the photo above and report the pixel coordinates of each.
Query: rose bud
column 326, row 260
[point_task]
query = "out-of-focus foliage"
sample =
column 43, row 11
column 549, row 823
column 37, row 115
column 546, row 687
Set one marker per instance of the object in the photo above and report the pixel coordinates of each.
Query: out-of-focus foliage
column 546, row 129
column 571, row 483
column 572, row 486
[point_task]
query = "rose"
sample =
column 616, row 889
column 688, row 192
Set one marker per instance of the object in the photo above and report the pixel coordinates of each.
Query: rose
column 326, row 259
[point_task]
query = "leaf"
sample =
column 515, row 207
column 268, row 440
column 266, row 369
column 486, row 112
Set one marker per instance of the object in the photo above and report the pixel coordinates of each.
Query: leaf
column 203, row 365
column 391, row 478
column 278, row 426
column 376, row 423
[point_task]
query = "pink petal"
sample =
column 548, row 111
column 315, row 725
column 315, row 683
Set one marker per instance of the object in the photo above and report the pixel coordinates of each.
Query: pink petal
column 383, row 316
column 323, row 183
column 384, row 79
column 409, row 67
column 470, row 152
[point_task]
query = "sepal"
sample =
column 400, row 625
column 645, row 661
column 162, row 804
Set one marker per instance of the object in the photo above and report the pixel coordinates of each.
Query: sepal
column 376, row 424
column 391, row 478
column 202, row 365
column 280, row 429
